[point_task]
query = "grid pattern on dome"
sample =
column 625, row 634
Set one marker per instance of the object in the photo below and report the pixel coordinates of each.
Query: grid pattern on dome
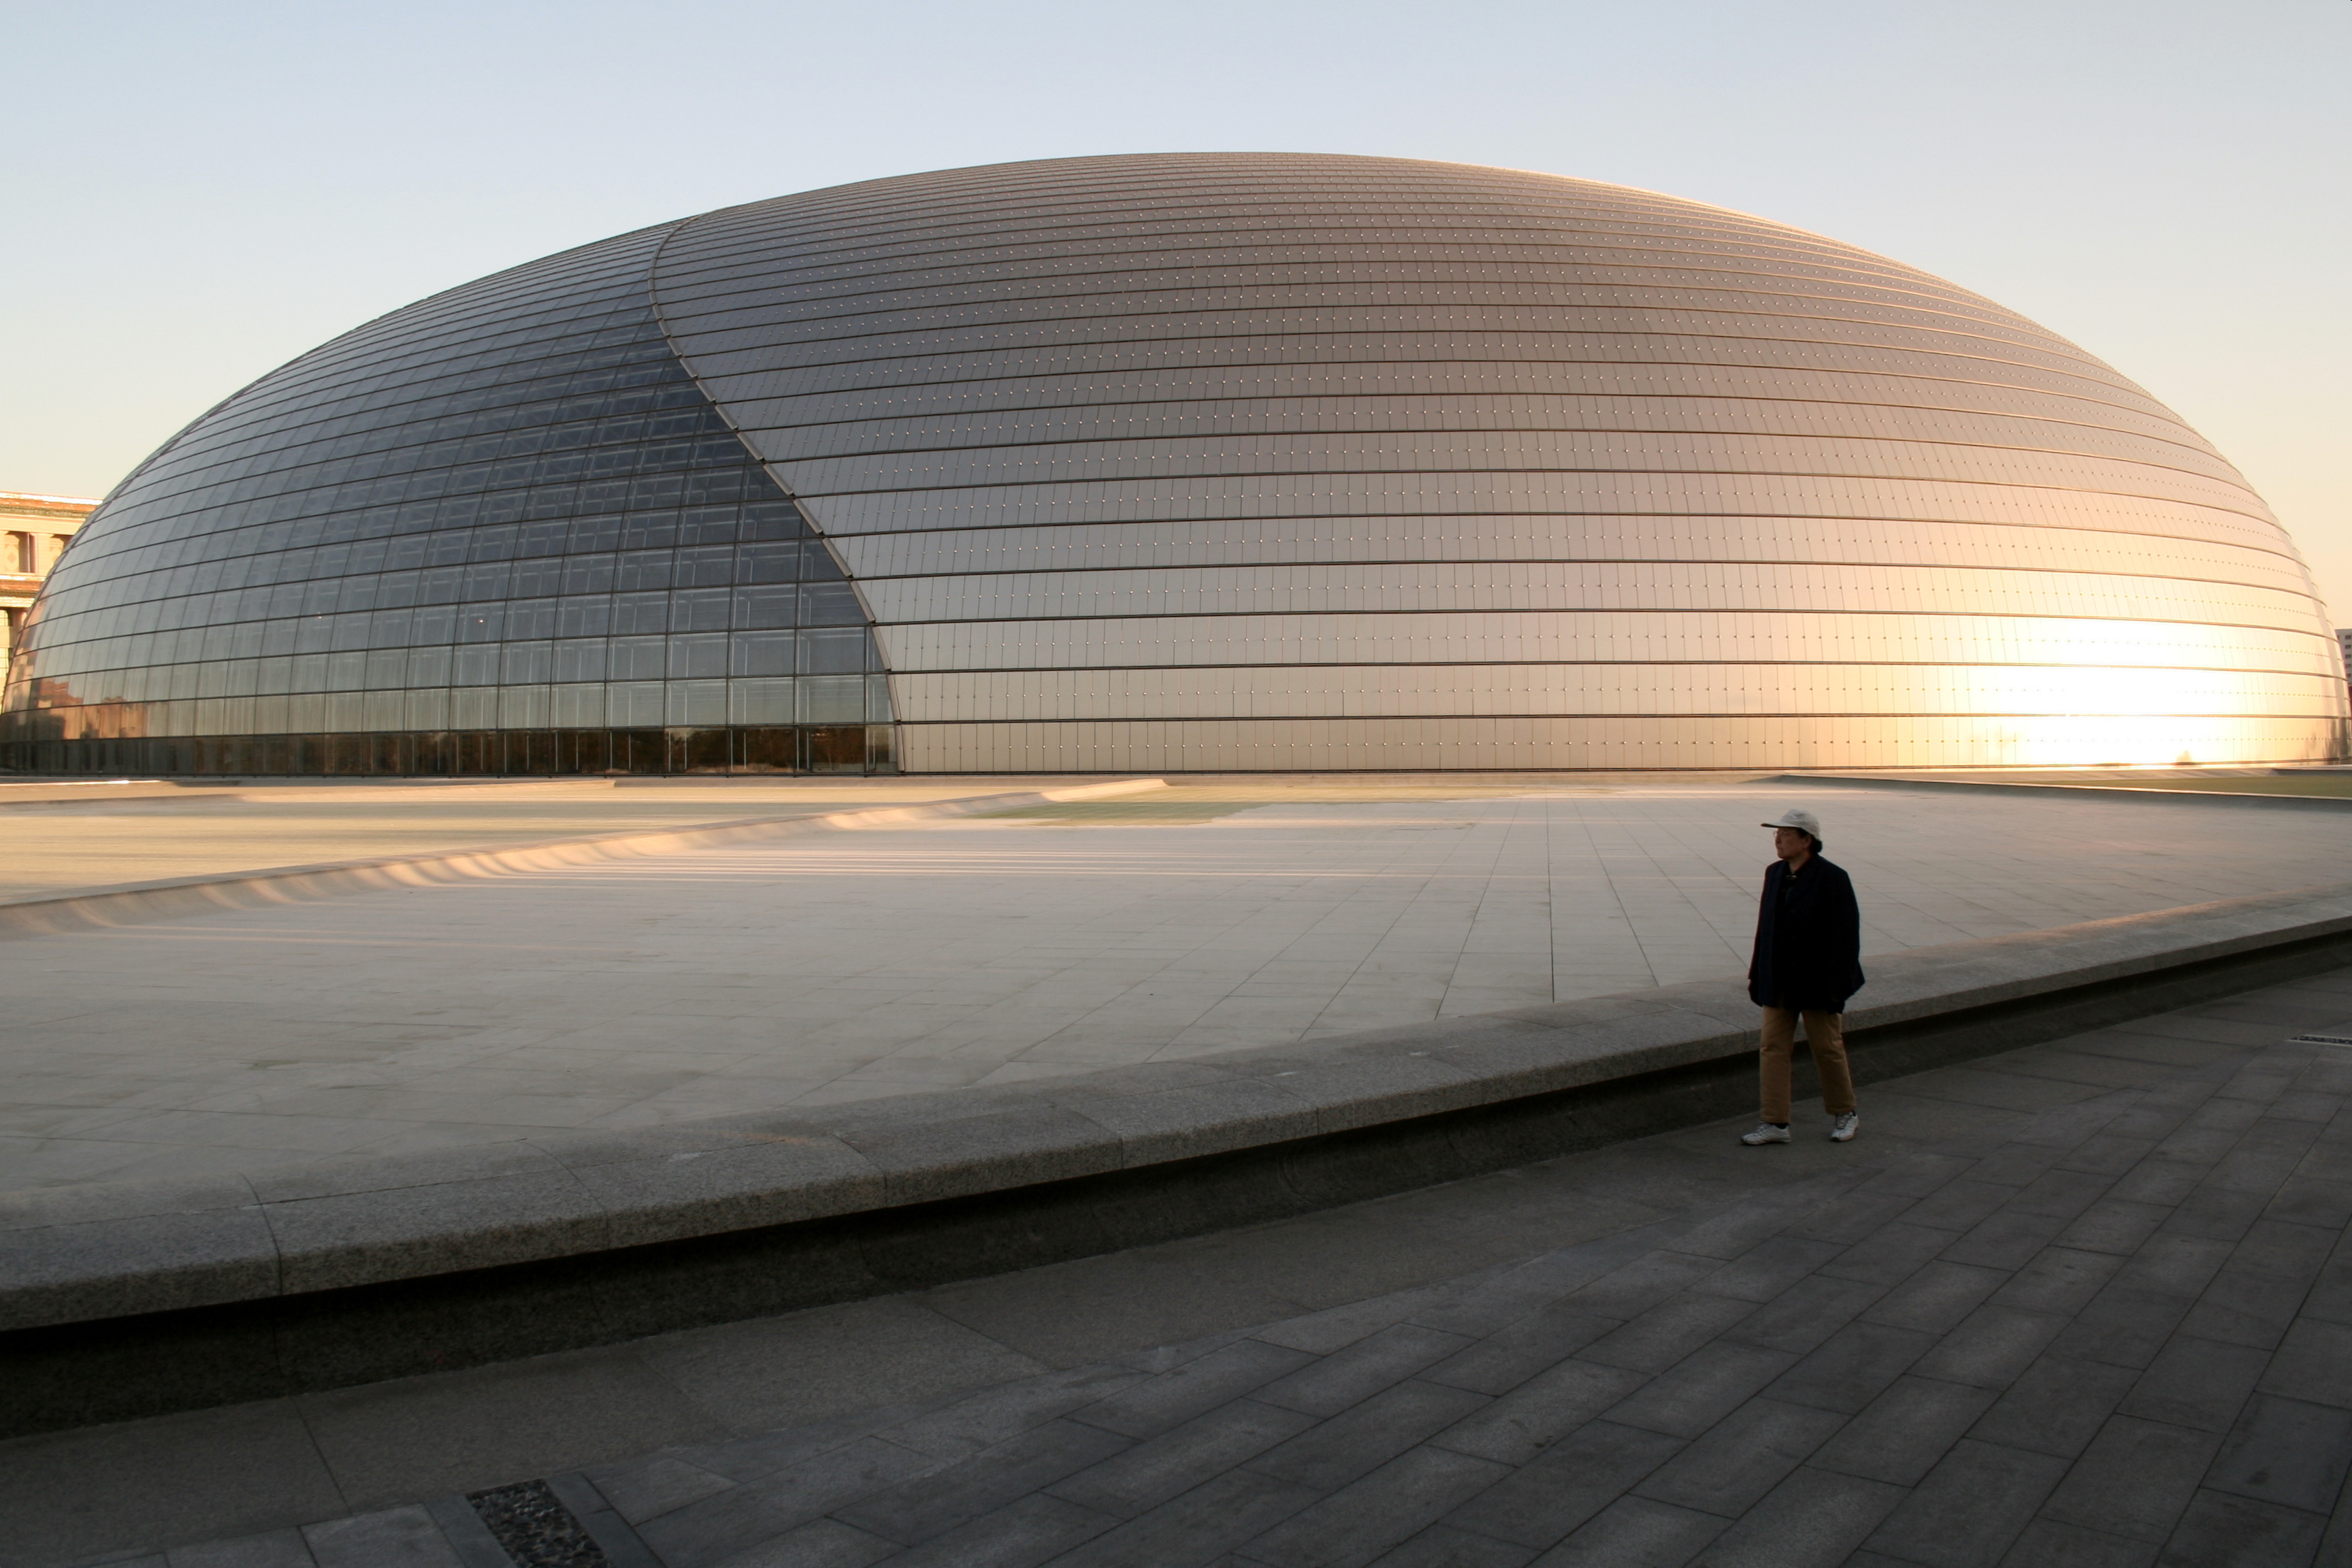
column 1279, row 461
column 1192, row 461
column 500, row 531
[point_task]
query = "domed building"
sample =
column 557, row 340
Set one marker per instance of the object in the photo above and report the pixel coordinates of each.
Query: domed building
column 1196, row 461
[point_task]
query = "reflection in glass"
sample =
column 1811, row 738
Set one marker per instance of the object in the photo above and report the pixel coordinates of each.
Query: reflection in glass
column 1270, row 461
column 462, row 522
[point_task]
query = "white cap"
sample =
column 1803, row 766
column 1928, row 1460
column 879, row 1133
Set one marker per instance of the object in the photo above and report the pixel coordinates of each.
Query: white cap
column 1800, row 819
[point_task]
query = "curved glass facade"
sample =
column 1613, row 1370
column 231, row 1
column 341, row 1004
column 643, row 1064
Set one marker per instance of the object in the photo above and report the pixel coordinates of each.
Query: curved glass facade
column 1195, row 462
column 499, row 531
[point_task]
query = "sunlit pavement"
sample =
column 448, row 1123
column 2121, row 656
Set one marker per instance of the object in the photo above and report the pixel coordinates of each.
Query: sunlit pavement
column 845, row 966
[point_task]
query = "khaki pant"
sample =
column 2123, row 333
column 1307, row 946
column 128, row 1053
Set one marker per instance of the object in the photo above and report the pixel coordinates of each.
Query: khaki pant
column 1825, row 1037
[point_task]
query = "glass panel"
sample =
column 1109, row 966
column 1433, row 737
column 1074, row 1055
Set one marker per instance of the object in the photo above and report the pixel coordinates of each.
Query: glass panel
column 762, row 653
column 697, row 702
column 768, row 751
column 703, row 751
column 832, row 652
column 832, row 699
column 633, row 704
column 836, row 751
column 403, row 510
column 701, row 654
column 761, row 703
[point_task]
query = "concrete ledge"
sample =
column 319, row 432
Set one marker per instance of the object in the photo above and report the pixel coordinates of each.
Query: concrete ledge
column 2096, row 792
column 15, row 795
column 196, row 791
column 87, row 909
column 118, row 1301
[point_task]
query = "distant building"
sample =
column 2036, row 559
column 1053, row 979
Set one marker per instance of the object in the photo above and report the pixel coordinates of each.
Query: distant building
column 32, row 531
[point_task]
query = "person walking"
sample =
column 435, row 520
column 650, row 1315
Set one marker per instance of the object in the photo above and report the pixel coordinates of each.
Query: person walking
column 1808, row 961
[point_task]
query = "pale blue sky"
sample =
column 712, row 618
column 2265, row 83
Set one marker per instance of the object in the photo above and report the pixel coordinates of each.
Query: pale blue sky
column 199, row 190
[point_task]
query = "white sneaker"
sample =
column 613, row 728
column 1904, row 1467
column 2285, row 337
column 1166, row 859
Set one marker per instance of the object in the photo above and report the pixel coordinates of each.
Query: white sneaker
column 1846, row 1127
column 1764, row 1134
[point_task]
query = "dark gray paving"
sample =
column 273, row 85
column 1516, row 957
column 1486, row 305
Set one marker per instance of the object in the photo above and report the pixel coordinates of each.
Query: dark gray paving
column 2109, row 1322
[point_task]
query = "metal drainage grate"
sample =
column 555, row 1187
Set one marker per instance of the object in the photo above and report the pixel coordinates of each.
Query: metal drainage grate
column 2319, row 1039
column 538, row 1532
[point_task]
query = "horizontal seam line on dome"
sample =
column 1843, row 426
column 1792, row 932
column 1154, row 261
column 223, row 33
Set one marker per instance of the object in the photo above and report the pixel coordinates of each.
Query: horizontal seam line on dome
column 552, row 283
column 396, row 472
column 1004, row 260
column 1464, row 429
column 863, row 221
column 1144, row 171
column 745, row 293
column 202, row 479
column 771, row 288
column 224, row 459
column 1182, row 441
column 643, row 235
column 1306, row 235
column 944, row 671
column 626, row 327
column 1298, row 613
column 750, row 260
column 499, row 332
column 748, row 461
column 400, row 473
column 752, row 459
column 1012, row 527
column 1652, row 473
column 1336, row 563
column 701, row 323
column 1010, row 250
column 1811, row 613
column 387, row 357
column 1669, row 562
column 339, row 358
column 871, row 225
column 435, row 377
column 431, row 388
column 789, row 335
column 816, row 367
column 1443, row 396
column 883, row 231
column 960, row 671
column 1959, row 716
column 571, row 311
column 685, row 330
column 1008, row 410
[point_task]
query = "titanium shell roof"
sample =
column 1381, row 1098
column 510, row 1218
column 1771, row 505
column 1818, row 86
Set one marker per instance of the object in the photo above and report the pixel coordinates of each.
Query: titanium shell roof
column 1233, row 461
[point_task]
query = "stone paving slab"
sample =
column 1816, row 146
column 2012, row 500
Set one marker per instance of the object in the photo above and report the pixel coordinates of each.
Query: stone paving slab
column 84, row 1255
column 2320, row 795
column 56, row 846
column 683, row 988
column 108, row 906
column 2115, row 1330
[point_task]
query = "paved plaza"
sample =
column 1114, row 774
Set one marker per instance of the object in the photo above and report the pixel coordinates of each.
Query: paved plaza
column 56, row 846
column 1059, row 939
column 2086, row 1303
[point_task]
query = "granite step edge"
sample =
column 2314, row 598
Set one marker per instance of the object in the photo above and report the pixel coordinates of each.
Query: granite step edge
column 121, row 903
column 2108, row 792
column 79, row 1254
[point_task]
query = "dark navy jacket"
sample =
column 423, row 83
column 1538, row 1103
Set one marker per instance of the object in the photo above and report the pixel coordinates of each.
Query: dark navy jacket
column 1808, row 954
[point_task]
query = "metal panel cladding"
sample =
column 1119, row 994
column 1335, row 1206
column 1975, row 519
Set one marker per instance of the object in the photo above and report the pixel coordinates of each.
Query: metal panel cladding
column 1276, row 461
column 1192, row 461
